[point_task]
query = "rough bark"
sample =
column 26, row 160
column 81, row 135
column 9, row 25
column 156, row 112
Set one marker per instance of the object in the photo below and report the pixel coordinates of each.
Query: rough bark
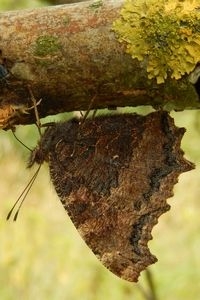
column 68, row 55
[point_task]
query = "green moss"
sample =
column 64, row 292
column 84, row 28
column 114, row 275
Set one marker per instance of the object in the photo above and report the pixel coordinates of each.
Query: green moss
column 66, row 20
column 164, row 34
column 97, row 4
column 46, row 45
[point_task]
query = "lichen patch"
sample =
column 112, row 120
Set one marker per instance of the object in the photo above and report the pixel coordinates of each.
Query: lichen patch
column 165, row 34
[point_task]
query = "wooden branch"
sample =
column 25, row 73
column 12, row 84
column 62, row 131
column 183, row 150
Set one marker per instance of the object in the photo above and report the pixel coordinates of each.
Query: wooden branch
column 68, row 55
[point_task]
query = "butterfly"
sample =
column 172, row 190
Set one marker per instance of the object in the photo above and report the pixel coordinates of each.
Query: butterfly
column 113, row 175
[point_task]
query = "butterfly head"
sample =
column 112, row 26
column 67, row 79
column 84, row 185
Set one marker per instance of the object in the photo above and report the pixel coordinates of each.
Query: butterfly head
column 51, row 137
column 40, row 153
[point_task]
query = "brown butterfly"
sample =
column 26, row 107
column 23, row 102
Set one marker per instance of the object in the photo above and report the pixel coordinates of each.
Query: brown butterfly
column 113, row 175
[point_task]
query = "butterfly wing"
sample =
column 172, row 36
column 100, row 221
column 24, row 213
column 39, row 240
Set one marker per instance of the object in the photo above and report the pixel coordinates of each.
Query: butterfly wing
column 113, row 177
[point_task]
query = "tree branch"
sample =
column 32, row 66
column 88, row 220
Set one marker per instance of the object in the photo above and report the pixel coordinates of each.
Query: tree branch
column 68, row 55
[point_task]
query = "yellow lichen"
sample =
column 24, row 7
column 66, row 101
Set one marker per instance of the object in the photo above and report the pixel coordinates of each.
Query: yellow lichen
column 165, row 34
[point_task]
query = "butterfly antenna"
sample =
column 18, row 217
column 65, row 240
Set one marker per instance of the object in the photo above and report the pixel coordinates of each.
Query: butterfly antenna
column 20, row 141
column 23, row 194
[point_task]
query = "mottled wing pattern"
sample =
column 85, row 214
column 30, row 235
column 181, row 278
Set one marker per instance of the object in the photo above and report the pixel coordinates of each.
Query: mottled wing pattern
column 113, row 175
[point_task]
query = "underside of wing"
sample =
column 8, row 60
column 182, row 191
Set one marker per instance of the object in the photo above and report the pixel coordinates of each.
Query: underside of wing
column 114, row 179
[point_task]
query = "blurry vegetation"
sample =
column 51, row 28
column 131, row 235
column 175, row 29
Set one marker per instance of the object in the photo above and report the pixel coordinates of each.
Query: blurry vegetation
column 21, row 4
column 57, row 2
column 42, row 255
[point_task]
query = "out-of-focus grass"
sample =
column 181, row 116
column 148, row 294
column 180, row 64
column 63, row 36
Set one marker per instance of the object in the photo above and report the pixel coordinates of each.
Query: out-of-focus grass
column 19, row 4
column 43, row 257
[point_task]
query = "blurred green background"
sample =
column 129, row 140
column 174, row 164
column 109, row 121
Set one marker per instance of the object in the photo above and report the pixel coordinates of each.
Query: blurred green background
column 42, row 255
